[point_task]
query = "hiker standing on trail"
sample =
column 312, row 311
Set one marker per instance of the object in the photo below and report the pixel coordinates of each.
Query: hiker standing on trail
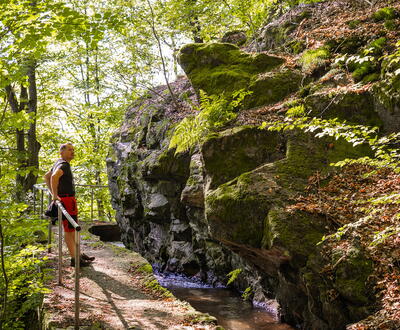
column 60, row 181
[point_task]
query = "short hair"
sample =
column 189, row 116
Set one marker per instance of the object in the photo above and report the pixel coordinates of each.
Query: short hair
column 64, row 146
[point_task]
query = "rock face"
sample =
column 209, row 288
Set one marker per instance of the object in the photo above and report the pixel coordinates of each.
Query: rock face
column 224, row 206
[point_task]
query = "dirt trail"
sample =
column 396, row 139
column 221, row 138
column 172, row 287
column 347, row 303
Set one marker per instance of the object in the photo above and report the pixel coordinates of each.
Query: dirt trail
column 117, row 292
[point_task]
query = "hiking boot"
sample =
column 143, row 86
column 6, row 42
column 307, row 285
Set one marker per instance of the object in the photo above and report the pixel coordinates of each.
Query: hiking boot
column 82, row 262
column 86, row 257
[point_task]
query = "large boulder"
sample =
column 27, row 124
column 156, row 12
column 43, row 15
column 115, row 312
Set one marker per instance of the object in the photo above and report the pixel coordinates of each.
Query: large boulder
column 222, row 67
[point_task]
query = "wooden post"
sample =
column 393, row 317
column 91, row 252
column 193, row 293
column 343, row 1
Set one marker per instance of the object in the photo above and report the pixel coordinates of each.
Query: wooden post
column 77, row 266
column 60, row 233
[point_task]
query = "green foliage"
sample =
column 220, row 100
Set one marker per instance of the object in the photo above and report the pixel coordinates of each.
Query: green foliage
column 312, row 58
column 215, row 111
column 383, row 14
column 246, row 295
column 233, row 275
column 296, row 111
column 365, row 66
column 386, row 154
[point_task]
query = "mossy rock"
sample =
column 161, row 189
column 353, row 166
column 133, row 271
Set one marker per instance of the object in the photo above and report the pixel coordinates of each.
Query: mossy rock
column 297, row 232
column 351, row 275
column 164, row 163
column 243, row 148
column 278, row 35
column 354, row 107
column 237, row 210
column 272, row 87
column 222, row 67
column 313, row 58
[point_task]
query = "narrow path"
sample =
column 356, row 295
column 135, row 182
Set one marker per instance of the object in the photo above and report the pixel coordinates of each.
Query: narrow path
column 118, row 291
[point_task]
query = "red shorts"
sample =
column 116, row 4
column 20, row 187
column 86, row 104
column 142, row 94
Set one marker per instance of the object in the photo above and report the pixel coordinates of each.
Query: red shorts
column 72, row 208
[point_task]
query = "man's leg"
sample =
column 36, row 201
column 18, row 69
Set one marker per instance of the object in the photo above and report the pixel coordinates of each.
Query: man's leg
column 70, row 240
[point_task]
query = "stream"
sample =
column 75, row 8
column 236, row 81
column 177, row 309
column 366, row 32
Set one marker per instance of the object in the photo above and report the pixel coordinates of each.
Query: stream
column 231, row 311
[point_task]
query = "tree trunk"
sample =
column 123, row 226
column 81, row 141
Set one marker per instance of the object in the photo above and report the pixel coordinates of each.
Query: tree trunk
column 19, row 139
column 4, row 294
column 27, row 153
column 33, row 146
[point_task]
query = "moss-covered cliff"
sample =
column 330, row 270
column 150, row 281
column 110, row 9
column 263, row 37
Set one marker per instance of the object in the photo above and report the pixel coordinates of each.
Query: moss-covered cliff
column 227, row 204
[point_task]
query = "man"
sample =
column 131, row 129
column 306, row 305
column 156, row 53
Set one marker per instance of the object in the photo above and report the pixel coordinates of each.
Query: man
column 60, row 181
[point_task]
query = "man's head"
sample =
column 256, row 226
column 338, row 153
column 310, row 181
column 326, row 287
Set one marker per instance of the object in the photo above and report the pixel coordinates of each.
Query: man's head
column 67, row 151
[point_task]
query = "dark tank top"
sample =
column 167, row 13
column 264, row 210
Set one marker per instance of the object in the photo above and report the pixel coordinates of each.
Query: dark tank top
column 66, row 184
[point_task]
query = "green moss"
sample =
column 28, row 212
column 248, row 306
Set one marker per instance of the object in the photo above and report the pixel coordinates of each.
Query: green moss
column 202, row 318
column 357, row 108
column 312, row 58
column 146, row 268
column 371, row 78
column 351, row 275
column 391, row 25
column 235, row 214
column 272, row 87
column 296, row 46
column 384, row 14
column 157, row 289
column 222, row 67
column 293, row 103
column 353, row 23
column 237, row 147
column 375, row 48
column 298, row 232
column 362, row 70
column 166, row 163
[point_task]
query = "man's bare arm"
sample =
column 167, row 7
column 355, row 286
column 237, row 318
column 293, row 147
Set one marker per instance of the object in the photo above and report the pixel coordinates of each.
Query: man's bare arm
column 55, row 178
column 47, row 178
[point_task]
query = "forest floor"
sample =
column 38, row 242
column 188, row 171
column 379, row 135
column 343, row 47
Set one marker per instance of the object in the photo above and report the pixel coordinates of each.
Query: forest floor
column 117, row 291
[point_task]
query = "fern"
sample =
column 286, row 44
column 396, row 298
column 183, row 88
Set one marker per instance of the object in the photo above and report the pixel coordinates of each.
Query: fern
column 233, row 275
column 215, row 111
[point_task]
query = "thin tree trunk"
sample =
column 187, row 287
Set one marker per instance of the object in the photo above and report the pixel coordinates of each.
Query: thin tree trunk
column 155, row 34
column 194, row 22
column 33, row 146
column 100, row 206
column 19, row 137
column 4, row 273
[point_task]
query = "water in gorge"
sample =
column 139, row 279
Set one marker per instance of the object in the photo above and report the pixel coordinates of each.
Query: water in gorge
column 231, row 311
